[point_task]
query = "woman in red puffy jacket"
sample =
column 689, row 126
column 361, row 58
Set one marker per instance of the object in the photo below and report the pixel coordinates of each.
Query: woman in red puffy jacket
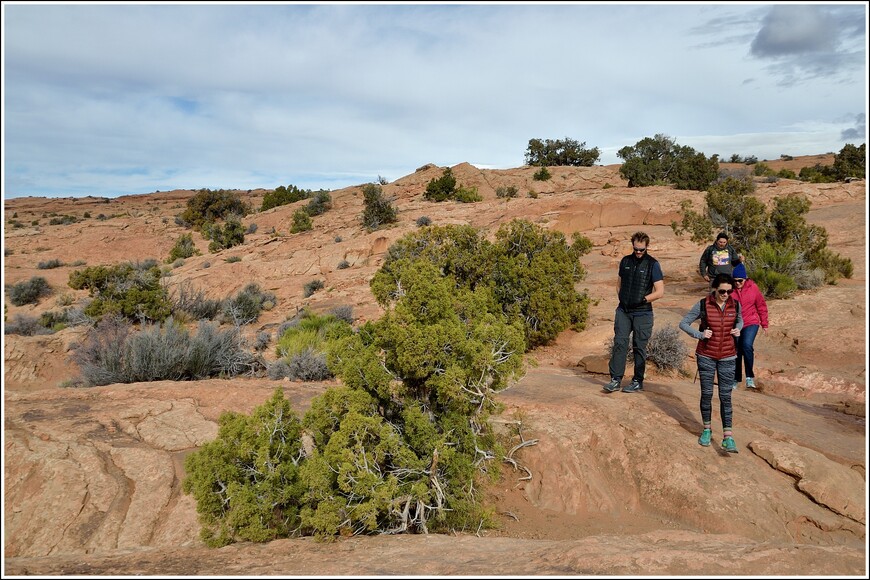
column 754, row 310
column 716, row 353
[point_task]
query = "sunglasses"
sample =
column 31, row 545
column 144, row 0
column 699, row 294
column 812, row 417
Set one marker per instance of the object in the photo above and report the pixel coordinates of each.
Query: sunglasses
column 641, row 250
column 724, row 292
column 739, row 280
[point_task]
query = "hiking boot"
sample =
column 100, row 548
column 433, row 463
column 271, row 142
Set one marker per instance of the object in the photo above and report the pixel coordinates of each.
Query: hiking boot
column 750, row 383
column 613, row 385
column 633, row 387
column 729, row 445
column 734, row 386
column 704, row 439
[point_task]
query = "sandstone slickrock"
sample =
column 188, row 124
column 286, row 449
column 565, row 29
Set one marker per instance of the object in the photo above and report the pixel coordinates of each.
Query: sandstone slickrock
column 619, row 485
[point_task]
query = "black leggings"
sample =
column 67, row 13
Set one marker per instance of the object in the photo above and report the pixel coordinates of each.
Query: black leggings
column 707, row 370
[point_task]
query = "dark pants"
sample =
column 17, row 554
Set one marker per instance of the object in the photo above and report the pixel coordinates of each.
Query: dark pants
column 746, row 352
column 640, row 327
column 707, row 370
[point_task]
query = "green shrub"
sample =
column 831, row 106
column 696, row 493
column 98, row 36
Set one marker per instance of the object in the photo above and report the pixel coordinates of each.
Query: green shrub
column 28, row 291
column 232, row 233
column 423, row 221
column 246, row 482
column 507, row 192
column 378, row 210
column 55, row 321
column 817, row 174
column 233, row 259
column 319, row 203
column 309, row 332
column 775, row 284
column 560, row 152
column 208, row 206
column 788, row 228
column 132, row 290
column 851, row 161
column 343, row 265
column 301, row 222
column 402, row 446
column 183, row 248
column 762, row 169
column 63, row 220
column 543, row 174
column 780, row 239
column 531, row 272
column 534, row 275
column 833, row 266
column 282, row 196
column 467, row 195
column 658, row 160
column 441, row 188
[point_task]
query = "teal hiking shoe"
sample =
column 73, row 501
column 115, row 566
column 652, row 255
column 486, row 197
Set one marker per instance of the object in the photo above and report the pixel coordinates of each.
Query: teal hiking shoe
column 729, row 445
column 750, row 383
column 704, row 439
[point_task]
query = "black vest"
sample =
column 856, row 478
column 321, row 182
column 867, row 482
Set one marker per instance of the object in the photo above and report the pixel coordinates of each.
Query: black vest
column 636, row 282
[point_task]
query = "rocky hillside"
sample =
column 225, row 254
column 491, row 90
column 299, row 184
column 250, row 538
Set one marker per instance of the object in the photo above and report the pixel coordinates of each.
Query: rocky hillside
column 619, row 485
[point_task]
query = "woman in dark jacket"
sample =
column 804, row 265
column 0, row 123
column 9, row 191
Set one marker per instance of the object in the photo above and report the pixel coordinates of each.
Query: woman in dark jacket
column 716, row 353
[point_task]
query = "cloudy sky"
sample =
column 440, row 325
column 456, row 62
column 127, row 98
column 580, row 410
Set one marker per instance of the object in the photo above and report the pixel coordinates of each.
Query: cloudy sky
column 109, row 100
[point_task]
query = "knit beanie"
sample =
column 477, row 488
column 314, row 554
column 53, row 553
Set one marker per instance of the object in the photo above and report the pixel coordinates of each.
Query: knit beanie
column 739, row 271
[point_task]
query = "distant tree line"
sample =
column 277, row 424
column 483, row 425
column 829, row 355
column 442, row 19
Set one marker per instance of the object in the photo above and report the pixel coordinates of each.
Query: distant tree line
column 660, row 160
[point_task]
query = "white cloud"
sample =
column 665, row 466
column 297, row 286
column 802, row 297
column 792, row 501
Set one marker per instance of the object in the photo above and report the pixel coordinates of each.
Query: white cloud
column 134, row 98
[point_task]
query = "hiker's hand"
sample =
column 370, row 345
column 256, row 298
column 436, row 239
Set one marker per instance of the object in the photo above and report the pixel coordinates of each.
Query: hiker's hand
column 735, row 332
column 708, row 333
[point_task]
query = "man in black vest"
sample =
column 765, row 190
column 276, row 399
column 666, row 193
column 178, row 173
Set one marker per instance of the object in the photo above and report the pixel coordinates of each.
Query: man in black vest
column 640, row 283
